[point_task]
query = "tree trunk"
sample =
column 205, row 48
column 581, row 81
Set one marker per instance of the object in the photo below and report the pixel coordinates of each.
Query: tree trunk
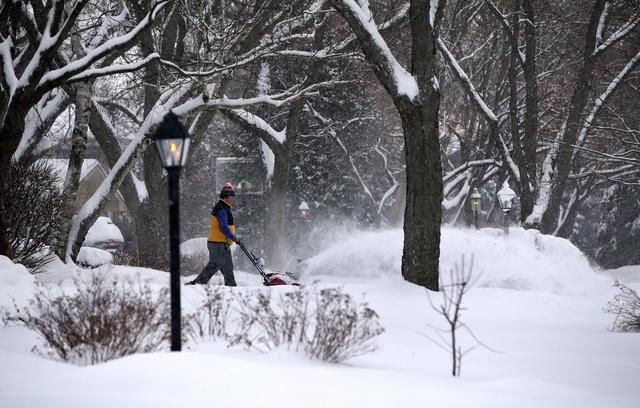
column 83, row 92
column 278, row 217
column 152, row 217
column 530, row 142
column 419, row 115
column 423, row 212
column 81, row 226
column 561, row 161
column 112, row 151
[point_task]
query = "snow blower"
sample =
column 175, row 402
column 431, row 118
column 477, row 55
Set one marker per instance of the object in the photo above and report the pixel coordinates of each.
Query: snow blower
column 269, row 279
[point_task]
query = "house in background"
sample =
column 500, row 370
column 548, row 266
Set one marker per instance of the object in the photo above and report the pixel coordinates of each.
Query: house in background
column 91, row 176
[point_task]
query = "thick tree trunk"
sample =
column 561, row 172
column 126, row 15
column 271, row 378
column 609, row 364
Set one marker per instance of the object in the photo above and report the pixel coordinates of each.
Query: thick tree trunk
column 419, row 115
column 423, row 214
column 277, row 219
column 152, row 217
column 423, row 211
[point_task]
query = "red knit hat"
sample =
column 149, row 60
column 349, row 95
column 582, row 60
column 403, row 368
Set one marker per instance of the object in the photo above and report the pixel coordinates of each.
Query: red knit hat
column 227, row 190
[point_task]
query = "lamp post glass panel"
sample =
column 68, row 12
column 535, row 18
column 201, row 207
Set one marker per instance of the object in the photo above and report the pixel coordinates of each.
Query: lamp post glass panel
column 172, row 142
column 505, row 198
column 475, row 205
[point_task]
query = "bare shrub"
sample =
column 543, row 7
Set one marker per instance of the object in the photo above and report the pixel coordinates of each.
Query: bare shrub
column 32, row 203
column 154, row 258
column 193, row 263
column 126, row 257
column 210, row 319
column 100, row 320
column 264, row 324
column 626, row 308
column 327, row 324
column 343, row 329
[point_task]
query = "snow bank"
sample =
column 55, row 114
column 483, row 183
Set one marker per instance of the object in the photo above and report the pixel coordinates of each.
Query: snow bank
column 525, row 260
column 15, row 282
column 194, row 246
column 629, row 274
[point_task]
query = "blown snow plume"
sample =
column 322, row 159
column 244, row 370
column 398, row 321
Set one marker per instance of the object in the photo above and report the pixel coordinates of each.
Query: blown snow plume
column 525, row 260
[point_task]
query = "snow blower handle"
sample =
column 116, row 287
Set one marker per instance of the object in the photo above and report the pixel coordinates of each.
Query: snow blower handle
column 254, row 260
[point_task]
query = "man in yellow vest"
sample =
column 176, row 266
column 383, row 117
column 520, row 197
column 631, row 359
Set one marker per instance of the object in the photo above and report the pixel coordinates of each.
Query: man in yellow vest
column 221, row 235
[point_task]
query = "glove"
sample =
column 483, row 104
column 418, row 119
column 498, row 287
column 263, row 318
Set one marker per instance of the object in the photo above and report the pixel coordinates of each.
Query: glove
column 239, row 242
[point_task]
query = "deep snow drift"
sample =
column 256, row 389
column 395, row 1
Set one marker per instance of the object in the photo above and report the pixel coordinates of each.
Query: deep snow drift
column 538, row 305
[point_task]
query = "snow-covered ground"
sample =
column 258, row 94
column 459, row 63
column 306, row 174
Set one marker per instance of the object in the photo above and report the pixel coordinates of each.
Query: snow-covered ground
column 538, row 304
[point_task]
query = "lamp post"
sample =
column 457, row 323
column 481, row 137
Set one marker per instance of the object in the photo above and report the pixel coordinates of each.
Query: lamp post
column 172, row 142
column 475, row 205
column 304, row 210
column 505, row 198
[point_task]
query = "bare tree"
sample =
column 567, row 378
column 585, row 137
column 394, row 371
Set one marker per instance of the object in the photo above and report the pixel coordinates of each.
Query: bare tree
column 461, row 281
column 32, row 42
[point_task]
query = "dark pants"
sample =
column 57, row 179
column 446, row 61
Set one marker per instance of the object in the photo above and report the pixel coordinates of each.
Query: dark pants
column 219, row 259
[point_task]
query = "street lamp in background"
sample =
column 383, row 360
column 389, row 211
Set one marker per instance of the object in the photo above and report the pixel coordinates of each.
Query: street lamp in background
column 304, row 211
column 505, row 198
column 172, row 142
column 475, row 205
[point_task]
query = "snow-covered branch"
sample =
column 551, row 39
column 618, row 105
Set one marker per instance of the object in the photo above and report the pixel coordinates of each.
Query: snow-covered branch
column 54, row 77
column 618, row 35
column 397, row 80
column 466, row 83
column 600, row 100
column 114, row 69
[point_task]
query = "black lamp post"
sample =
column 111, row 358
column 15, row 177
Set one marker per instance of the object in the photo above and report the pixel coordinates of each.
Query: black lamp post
column 505, row 198
column 172, row 142
column 475, row 205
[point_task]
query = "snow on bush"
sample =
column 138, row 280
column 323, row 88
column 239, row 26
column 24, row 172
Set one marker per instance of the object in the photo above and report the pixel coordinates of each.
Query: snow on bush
column 15, row 282
column 89, row 257
column 100, row 319
column 327, row 324
column 523, row 260
column 209, row 321
column 103, row 230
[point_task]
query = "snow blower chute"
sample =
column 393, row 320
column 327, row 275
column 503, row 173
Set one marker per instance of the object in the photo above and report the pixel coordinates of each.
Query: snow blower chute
column 269, row 279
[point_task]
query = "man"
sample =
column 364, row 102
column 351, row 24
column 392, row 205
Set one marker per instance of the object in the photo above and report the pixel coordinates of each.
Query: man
column 221, row 236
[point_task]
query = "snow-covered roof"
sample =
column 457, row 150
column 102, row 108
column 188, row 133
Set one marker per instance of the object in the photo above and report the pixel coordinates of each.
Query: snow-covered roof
column 61, row 166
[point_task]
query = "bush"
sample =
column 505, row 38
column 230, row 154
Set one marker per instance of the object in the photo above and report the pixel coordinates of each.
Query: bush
column 210, row 320
column 626, row 307
column 190, row 264
column 101, row 320
column 32, row 203
column 343, row 329
column 265, row 324
column 327, row 324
